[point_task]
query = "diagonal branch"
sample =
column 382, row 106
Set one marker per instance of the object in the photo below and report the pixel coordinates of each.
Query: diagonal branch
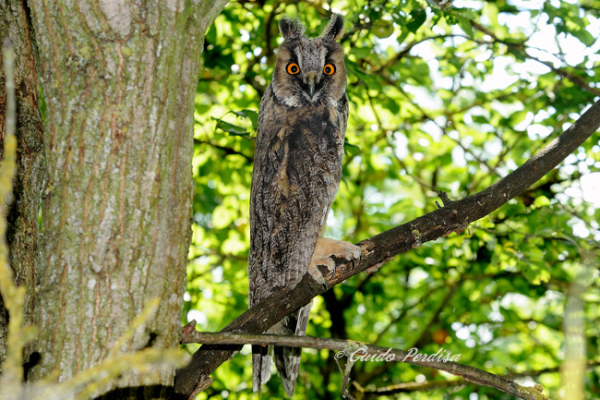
column 359, row 351
column 435, row 385
column 454, row 217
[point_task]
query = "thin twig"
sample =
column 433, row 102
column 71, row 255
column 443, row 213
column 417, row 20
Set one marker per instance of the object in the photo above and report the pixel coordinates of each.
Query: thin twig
column 470, row 374
column 410, row 387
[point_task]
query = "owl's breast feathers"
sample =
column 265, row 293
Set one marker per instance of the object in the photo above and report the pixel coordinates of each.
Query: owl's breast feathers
column 296, row 176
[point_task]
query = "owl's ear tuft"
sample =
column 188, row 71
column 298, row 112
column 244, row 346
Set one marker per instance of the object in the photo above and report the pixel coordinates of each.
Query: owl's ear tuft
column 290, row 28
column 335, row 28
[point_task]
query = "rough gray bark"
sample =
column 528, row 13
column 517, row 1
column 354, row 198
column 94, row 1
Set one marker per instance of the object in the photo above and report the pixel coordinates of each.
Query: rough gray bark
column 23, row 209
column 119, row 81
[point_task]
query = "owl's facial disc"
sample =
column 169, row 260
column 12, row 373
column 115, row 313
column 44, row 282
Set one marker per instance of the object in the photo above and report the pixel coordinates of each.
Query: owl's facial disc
column 309, row 72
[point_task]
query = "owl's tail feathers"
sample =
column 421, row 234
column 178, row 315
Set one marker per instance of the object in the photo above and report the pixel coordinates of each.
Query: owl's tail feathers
column 287, row 359
column 261, row 366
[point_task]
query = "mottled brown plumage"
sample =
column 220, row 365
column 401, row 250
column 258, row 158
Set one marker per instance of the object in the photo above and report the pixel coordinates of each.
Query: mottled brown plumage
column 297, row 171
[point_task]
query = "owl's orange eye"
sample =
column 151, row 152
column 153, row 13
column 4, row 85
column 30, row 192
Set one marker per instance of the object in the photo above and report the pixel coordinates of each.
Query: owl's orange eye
column 293, row 68
column 329, row 69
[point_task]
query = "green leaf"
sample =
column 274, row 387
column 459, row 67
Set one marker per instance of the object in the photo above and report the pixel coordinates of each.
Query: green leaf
column 350, row 148
column 249, row 114
column 211, row 35
column 392, row 105
column 541, row 201
column 464, row 24
column 518, row 117
column 230, row 128
column 361, row 52
column 371, row 81
column 583, row 35
column 491, row 11
column 418, row 17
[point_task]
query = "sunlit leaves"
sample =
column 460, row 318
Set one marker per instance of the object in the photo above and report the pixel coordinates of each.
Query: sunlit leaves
column 453, row 99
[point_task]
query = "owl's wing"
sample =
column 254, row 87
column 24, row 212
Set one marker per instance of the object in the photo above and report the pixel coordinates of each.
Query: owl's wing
column 296, row 175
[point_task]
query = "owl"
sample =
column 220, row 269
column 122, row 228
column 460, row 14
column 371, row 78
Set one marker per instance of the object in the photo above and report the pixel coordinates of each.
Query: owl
column 297, row 170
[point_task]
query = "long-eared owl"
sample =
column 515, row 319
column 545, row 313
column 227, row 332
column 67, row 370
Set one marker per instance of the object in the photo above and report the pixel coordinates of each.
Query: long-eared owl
column 297, row 170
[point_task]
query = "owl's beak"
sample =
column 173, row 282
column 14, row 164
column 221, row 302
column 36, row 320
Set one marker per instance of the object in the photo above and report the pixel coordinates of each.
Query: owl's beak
column 311, row 84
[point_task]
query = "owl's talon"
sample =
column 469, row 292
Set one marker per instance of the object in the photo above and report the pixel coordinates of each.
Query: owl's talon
column 356, row 261
column 327, row 251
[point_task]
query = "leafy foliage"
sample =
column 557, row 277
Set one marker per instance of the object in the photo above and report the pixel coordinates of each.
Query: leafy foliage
column 445, row 98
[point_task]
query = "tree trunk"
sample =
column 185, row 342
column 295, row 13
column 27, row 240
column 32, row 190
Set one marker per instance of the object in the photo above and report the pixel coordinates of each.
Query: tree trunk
column 23, row 208
column 119, row 81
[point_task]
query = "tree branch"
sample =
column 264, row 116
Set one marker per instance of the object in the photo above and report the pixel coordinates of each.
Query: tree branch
column 454, row 217
column 359, row 350
column 436, row 385
column 409, row 387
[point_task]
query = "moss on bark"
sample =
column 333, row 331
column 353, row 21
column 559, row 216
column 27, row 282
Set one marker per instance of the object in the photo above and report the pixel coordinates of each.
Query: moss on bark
column 119, row 80
column 23, row 206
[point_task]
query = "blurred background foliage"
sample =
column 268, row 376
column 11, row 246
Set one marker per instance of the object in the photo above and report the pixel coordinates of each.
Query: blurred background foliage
column 444, row 96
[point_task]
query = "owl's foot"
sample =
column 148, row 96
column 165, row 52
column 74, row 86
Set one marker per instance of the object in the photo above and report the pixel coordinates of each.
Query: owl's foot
column 330, row 252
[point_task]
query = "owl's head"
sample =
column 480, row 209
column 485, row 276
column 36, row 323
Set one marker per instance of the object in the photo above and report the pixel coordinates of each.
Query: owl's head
column 310, row 71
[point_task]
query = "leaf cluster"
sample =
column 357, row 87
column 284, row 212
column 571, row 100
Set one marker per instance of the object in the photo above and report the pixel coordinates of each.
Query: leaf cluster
column 450, row 98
